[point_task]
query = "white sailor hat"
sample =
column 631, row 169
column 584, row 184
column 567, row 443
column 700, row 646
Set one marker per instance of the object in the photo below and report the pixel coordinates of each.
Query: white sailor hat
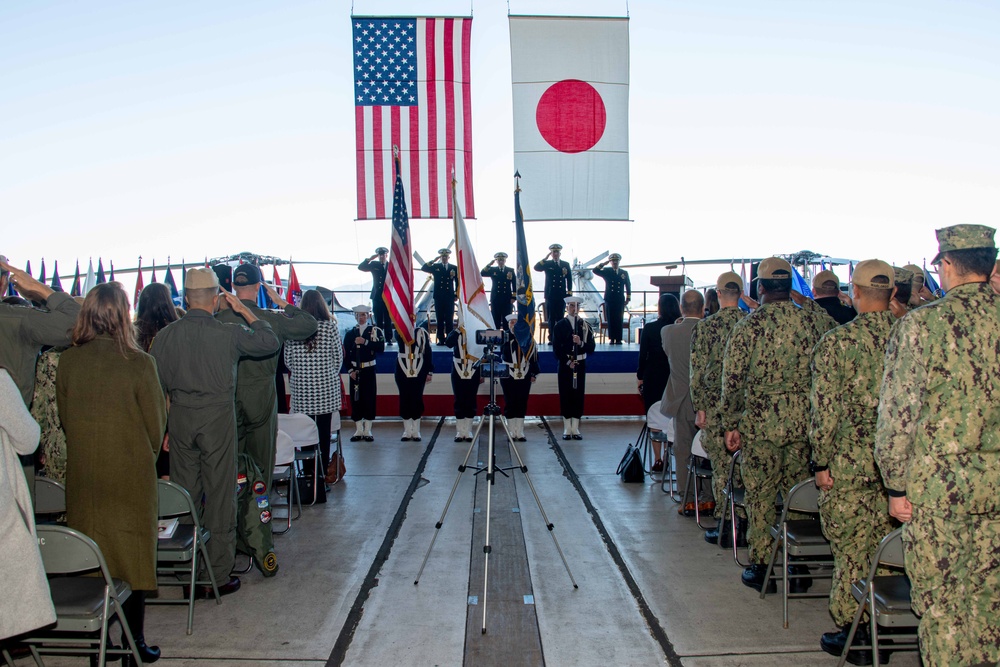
column 555, row 246
column 615, row 256
column 573, row 299
column 444, row 251
column 363, row 308
column 381, row 250
column 512, row 317
column 500, row 255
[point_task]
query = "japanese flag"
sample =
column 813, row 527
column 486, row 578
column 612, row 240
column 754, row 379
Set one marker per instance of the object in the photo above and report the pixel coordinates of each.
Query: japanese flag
column 570, row 96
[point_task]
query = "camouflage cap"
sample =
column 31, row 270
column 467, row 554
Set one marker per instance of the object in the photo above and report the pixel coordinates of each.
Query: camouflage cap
column 902, row 276
column 873, row 273
column 727, row 278
column 200, row 279
column 774, row 268
column 963, row 237
column 825, row 276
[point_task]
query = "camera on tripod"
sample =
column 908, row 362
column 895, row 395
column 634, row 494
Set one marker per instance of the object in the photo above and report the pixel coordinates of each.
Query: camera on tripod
column 492, row 365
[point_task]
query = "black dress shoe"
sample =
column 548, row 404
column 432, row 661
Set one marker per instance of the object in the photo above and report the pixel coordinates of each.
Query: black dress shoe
column 577, row 436
column 799, row 585
column 203, row 592
column 566, row 436
column 833, row 643
column 369, row 438
column 459, row 438
column 753, row 577
column 522, row 439
column 147, row 654
column 355, row 438
column 468, row 438
column 415, row 438
column 405, row 438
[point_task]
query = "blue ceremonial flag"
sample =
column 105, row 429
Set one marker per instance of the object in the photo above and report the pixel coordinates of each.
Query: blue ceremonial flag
column 41, row 276
column 800, row 285
column 168, row 280
column 524, row 329
column 56, row 282
column 100, row 271
column 930, row 283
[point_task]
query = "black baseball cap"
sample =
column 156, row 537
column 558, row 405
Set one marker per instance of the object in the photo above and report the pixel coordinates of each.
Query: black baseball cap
column 246, row 274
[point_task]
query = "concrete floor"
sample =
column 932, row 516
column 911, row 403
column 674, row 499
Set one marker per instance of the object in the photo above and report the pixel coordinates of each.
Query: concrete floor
column 685, row 606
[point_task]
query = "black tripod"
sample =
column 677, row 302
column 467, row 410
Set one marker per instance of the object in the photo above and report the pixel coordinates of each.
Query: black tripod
column 492, row 411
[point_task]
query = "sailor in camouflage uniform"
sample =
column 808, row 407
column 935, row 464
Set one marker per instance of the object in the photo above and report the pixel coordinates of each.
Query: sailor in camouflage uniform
column 899, row 306
column 847, row 366
column 938, row 447
column 708, row 346
column 43, row 411
column 765, row 402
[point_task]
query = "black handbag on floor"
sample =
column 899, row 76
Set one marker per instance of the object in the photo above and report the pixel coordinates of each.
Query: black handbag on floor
column 630, row 469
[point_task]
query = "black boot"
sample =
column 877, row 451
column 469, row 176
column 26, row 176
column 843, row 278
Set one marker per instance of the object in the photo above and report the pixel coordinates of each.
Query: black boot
column 753, row 577
column 799, row 584
column 833, row 643
column 712, row 535
column 135, row 615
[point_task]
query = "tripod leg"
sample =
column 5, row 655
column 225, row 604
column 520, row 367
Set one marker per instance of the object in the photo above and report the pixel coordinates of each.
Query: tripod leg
column 548, row 524
column 490, row 473
column 444, row 513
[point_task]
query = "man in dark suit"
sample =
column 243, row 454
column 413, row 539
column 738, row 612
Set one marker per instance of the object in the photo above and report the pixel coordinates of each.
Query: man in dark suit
column 378, row 266
column 617, row 293
column 676, row 339
column 558, row 285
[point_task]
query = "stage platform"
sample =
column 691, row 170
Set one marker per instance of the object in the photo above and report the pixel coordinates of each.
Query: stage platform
column 611, row 384
column 652, row 591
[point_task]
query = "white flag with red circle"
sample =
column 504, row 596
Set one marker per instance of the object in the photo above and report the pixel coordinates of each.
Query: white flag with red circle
column 570, row 96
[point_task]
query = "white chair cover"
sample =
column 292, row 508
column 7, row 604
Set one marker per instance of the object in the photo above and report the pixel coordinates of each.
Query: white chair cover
column 284, row 449
column 696, row 447
column 660, row 422
column 301, row 428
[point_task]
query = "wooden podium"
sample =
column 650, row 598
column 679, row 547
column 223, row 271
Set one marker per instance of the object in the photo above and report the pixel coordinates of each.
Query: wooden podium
column 672, row 284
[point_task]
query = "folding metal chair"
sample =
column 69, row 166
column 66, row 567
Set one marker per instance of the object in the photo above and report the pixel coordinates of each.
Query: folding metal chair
column 661, row 430
column 50, row 499
column 284, row 473
column 697, row 472
column 735, row 497
column 84, row 604
column 887, row 599
column 305, row 436
column 802, row 539
column 335, row 426
column 179, row 553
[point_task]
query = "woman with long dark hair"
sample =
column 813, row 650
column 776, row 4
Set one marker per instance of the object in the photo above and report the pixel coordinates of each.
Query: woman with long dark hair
column 314, row 364
column 114, row 414
column 155, row 310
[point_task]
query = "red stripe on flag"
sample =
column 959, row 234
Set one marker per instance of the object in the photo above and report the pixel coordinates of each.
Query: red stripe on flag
column 359, row 138
column 470, row 210
column 414, row 158
column 378, row 167
column 431, row 129
column 449, row 103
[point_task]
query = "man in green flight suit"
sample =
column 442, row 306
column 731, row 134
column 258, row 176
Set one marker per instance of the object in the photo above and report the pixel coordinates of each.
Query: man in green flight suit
column 196, row 357
column 708, row 346
column 256, row 396
column 765, row 403
column 847, row 366
column 938, row 447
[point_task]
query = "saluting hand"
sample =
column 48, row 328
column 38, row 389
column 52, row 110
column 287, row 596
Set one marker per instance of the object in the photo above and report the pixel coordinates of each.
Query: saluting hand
column 239, row 307
column 25, row 285
column 274, row 296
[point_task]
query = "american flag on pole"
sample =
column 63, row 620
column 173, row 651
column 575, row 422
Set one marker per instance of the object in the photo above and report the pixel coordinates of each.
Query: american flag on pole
column 411, row 90
column 397, row 294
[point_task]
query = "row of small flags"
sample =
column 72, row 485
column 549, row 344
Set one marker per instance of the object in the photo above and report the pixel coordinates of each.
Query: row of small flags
column 82, row 284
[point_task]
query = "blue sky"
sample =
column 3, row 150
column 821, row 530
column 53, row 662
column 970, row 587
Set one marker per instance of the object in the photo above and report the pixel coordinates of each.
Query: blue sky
column 204, row 128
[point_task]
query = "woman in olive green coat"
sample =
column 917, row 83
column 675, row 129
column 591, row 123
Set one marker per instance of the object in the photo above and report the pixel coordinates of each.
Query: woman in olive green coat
column 114, row 414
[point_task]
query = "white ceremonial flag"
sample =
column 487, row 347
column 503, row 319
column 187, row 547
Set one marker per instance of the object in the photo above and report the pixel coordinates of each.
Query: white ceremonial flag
column 91, row 280
column 570, row 96
column 473, row 306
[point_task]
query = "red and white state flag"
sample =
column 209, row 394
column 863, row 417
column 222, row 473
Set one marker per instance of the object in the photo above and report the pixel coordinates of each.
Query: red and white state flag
column 570, row 78
column 411, row 90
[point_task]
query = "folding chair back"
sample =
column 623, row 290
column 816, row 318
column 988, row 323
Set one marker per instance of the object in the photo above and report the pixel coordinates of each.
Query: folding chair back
column 84, row 605
column 803, row 498
column 284, row 473
column 173, row 500
column 50, row 497
column 735, row 497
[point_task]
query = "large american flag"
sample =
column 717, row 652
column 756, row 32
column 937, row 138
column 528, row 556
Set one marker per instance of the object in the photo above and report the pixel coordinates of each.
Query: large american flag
column 397, row 293
column 411, row 90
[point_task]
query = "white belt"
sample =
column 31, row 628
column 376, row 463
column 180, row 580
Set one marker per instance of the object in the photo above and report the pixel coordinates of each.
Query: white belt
column 367, row 364
column 581, row 357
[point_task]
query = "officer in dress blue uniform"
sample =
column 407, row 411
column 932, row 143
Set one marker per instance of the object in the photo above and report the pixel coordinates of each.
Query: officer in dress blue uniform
column 361, row 345
column 617, row 293
column 445, row 287
column 503, row 290
column 558, row 285
column 378, row 266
